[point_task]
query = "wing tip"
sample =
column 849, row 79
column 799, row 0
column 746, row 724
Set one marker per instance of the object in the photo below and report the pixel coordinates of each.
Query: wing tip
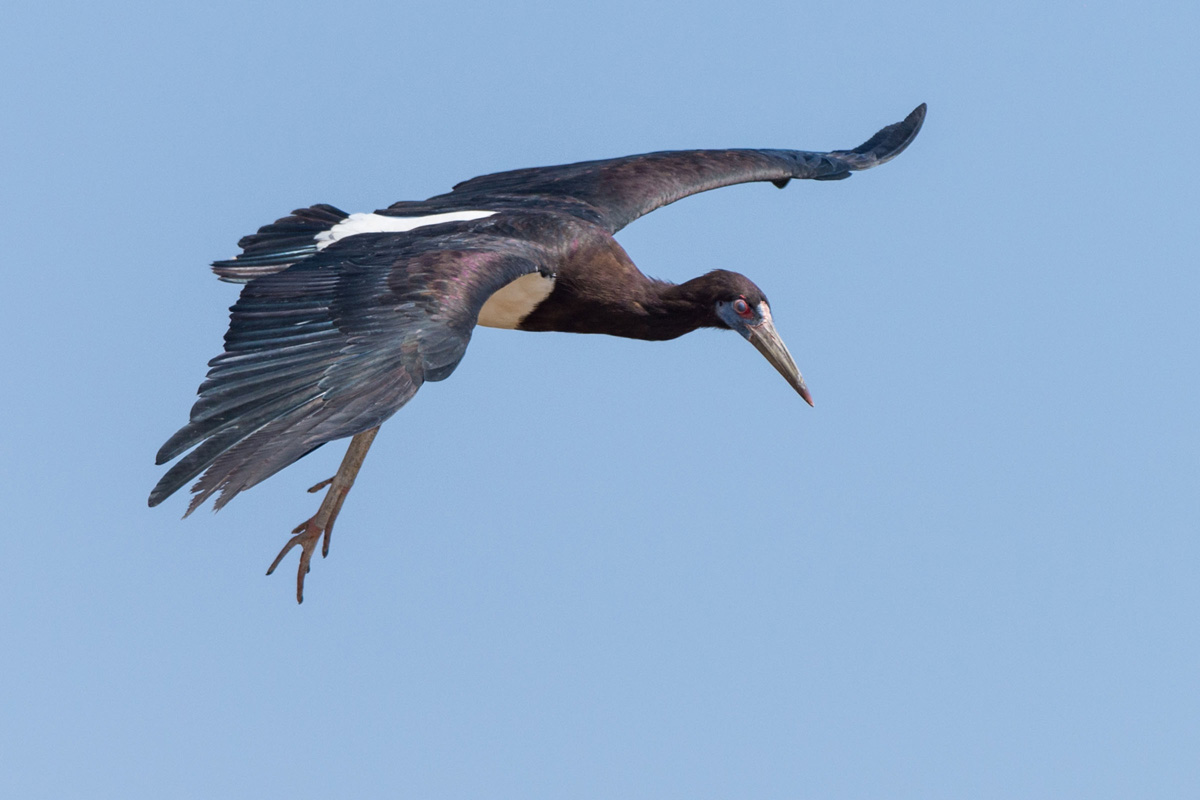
column 176, row 478
column 166, row 486
column 887, row 143
column 159, row 493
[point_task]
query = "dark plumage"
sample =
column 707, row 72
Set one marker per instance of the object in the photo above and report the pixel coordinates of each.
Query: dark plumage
column 343, row 317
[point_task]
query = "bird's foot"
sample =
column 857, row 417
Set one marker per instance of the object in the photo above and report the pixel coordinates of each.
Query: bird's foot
column 317, row 527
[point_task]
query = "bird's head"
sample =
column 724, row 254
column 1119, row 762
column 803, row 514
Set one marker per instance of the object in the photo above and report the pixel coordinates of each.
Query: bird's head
column 741, row 306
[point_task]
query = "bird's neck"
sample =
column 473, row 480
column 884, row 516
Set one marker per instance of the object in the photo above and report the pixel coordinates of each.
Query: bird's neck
column 676, row 309
column 603, row 292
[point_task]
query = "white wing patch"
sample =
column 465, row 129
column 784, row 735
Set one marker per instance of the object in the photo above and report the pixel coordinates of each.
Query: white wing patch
column 381, row 223
column 516, row 301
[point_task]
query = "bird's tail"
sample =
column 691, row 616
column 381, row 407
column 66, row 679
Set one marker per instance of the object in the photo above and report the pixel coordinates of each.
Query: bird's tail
column 277, row 246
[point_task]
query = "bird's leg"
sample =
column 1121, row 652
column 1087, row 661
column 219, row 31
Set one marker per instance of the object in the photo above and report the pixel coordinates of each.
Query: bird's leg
column 309, row 532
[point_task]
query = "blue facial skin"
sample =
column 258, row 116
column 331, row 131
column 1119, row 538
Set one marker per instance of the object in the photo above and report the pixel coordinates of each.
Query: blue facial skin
column 738, row 323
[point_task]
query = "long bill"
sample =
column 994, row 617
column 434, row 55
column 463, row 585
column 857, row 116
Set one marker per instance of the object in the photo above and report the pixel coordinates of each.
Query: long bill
column 766, row 340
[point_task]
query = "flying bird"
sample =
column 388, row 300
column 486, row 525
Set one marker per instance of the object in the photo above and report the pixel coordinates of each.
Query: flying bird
column 344, row 316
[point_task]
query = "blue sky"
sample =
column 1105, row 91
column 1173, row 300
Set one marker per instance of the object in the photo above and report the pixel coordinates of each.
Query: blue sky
column 588, row 567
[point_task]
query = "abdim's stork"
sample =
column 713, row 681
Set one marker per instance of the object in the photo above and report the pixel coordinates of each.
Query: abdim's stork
column 344, row 316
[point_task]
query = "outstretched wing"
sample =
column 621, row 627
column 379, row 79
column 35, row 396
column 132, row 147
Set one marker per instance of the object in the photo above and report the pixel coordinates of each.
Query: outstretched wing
column 623, row 189
column 329, row 348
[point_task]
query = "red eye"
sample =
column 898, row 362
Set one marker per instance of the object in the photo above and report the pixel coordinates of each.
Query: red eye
column 742, row 308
